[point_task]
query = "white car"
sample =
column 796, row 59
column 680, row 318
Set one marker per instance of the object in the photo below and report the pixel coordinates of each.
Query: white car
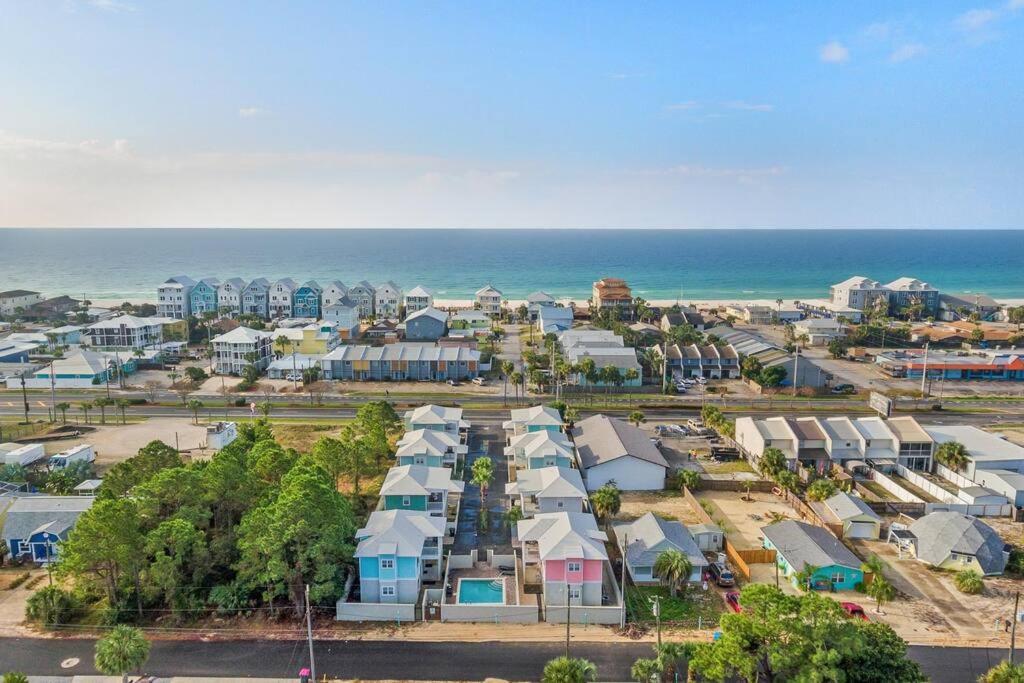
column 701, row 380
column 294, row 377
column 479, row 381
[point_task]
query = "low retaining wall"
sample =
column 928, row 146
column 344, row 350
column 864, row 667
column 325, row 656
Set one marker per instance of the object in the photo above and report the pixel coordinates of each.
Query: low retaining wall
column 973, row 510
column 371, row 611
column 586, row 615
column 756, row 485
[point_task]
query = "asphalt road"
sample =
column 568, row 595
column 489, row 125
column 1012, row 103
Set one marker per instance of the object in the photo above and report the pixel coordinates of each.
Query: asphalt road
column 373, row 660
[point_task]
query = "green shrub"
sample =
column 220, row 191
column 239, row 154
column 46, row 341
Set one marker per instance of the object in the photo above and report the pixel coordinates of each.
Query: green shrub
column 969, row 581
column 859, row 587
column 52, row 606
column 15, row 677
column 22, row 578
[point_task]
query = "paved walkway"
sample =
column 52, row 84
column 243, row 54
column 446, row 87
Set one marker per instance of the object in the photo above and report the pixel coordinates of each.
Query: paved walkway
column 488, row 439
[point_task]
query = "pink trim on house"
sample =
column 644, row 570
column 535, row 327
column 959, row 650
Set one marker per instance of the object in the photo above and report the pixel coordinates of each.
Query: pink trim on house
column 554, row 570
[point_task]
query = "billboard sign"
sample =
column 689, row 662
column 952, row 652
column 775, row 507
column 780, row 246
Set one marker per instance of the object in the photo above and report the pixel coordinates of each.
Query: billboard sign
column 881, row 404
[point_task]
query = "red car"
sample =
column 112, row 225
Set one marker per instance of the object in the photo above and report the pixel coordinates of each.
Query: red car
column 853, row 610
column 732, row 599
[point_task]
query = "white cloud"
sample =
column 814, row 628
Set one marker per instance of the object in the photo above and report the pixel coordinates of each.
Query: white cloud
column 907, row 52
column 975, row 19
column 834, row 52
column 1015, row 5
column 682, row 106
column 750, row 106
column 111, row 5
column 251, row 112
column 880, row 30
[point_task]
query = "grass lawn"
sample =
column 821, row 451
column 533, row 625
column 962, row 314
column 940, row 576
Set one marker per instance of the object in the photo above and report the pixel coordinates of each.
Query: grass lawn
column 302, row 435
column 876, row 489
column 730, row 467
column 684, row 608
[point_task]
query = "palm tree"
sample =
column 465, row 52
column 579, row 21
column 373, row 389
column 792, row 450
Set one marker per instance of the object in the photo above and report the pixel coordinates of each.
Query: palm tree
column 953, row 455
column 674, row 568
column 514, row 514
column 669, row 654
column 607, row 501
column 122, row 650
column 568, row 670
column 507, row 367
column 122, row 405
column 645, row 670
column 873, row 565
column 102, row 403
column 636, row 418
column 483, row 472
column 806, row 575
column 1004, row 672
column 571, row 416
column 86, row 407
column 631, row 376
column 517, row 379
column 63, row 408
column 881, row 590
column 778, row 308
column 194, row 405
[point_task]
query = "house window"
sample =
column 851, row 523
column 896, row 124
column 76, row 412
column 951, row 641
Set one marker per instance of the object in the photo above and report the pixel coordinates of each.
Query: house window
column 575, row 592
column 387, row 564
column 387, row 591
column 406, row 501
column 23, row 547
column 837, row 577
column 574, row 567
column 561, row 504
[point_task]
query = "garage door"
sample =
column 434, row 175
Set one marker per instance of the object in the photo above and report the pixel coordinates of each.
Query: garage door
column 861, row 530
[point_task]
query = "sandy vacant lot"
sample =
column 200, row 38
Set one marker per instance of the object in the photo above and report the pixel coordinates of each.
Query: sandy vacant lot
column 116, row 443
column 742, row 520
column 666, row 504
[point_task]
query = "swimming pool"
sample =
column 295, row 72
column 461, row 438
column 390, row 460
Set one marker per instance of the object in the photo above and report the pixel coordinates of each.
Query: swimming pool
column 482, row 591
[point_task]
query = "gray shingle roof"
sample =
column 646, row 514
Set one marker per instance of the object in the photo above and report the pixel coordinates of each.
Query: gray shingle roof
column 649, row 536
column 600, row 439
column 27, row 514
column 802, row 544
column 944, row 532
column 844, row 506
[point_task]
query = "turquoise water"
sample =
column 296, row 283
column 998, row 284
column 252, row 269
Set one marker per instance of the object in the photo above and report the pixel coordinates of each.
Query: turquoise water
column 659, row 264
column 474, row 591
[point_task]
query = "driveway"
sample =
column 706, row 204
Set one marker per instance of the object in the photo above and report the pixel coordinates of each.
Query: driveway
column 487, row 440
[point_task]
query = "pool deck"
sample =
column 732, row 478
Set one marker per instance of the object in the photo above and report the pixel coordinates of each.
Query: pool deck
column 481, row 571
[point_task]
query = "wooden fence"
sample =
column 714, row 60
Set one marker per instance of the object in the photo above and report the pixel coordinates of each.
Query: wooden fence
column 702, row 514
column 809, row 514
column 741, row 559
column 757, row 485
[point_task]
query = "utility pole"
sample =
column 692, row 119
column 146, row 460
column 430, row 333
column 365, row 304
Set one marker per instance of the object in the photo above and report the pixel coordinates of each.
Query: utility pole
column 24, row 396
column 1013, row 628
column 568, row 615
column 924, row 370
column 53, row 392
column 664, row 369
column 796, row 368
column 309, row 636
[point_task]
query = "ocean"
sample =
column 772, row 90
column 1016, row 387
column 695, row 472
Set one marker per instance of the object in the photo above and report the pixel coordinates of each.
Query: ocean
column 658, row 264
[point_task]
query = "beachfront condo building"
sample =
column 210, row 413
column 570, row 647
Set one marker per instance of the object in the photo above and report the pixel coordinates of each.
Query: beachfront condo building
column 14, row 299
column 400, row 361
column 613, row 292
column 864, row 294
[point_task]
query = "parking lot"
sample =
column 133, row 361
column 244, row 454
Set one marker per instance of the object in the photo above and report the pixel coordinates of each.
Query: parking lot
column 116, row 443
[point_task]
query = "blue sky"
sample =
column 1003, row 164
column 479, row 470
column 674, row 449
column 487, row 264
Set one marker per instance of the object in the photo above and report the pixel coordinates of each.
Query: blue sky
column 496, row 114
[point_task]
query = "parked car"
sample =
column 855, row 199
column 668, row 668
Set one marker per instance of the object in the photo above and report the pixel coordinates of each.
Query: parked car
column 681, row 388
column 452, row 383
column 479, row 381
column 853, row 610
column 721, row 575
column 843, row 389
column 293, row 377
column 732, row 601
column 701, row 380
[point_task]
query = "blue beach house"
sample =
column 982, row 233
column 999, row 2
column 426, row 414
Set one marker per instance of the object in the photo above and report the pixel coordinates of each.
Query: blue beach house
column 543, row 448
column 798, row 545
column 203, row 297
column 420, row 488
column 306, row 301
column 534, row 419
column 35, row 525
column 397, row 551
column 430, row 448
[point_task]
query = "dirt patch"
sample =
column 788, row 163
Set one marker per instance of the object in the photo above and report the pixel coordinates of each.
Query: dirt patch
column 665, row 504
column 742, row 519
column 301, row 437
column 114, row 444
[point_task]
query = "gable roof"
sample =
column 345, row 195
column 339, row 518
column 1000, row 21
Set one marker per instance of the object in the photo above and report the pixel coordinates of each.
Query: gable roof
column 433, row 414
column 241, row 335
column 541, row 443
column 537, row 415
column 419, row 291
column 426, row 442
column 488, row 290
column 419, row 480
column 548, row 482
column 844, row 507
column 650, row 535
column 539, row 296
column 28, row 514
column 400, row 532
column 802, row 544
column 600, row 439
column 428, row 312
column 941, row 533
column 564, row 535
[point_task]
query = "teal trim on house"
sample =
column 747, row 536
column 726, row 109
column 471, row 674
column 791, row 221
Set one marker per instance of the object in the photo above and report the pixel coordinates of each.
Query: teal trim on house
column 539, row 462
column 400, row 503
column 428, row 460
column 369, row 567
column 836, row 576
column 203, row 298
column 387, row 573
column 408, row 568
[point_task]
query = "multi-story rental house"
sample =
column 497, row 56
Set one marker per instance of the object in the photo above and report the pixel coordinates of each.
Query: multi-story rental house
column 173, row 297
column 306, row 301
column 282, row 298
column 231, row 350
column 387, row 297
column 256, row 298
column 333, row 293
column 398, row 550
column 362, row 294
column 489, row 300
column 203, row 298
column 229, row 296
column 568, row 550
column 418, row 298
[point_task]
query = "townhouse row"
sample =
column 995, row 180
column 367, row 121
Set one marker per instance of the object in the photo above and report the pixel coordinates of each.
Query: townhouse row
column 181, row 297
